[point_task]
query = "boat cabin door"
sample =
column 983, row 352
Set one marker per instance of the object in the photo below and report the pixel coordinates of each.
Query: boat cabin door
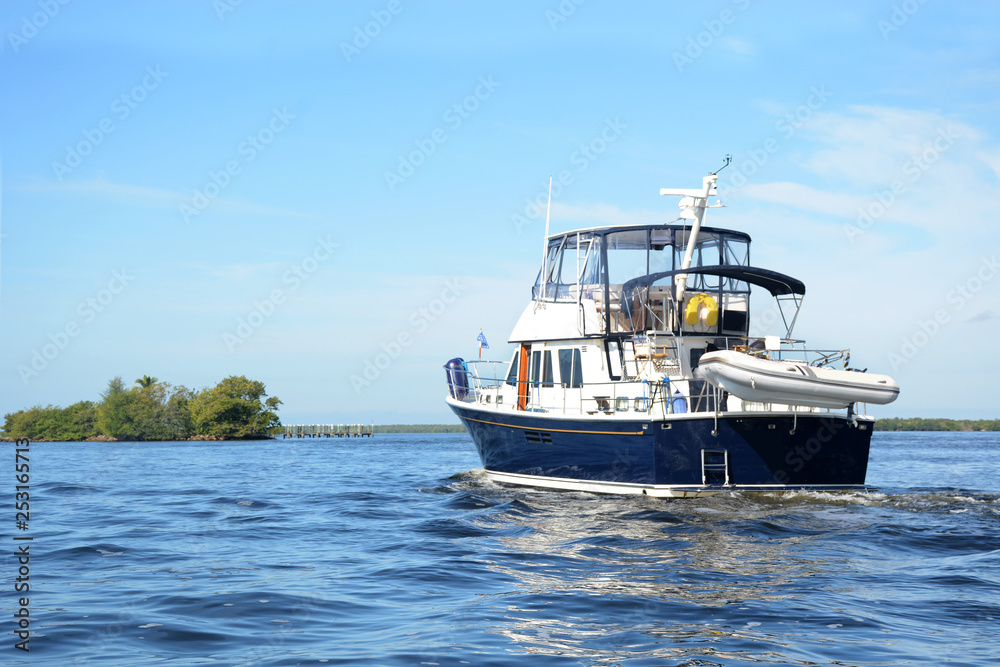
column 522, row 378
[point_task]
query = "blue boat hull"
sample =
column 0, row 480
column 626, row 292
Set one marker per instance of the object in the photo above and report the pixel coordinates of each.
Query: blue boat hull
column 762, row 452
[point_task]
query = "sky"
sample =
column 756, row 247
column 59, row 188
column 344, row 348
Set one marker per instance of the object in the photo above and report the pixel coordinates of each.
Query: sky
column 335, row 198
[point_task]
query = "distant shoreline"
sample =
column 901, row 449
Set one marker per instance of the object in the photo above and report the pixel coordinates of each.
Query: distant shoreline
column 936, row 424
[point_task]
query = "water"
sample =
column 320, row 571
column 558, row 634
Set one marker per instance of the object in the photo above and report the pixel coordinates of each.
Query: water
column 396, row 551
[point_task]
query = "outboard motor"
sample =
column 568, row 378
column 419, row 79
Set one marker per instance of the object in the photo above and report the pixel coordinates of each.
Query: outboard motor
column 458, row 383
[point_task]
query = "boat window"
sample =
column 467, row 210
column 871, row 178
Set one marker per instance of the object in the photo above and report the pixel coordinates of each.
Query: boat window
column 536, row 366
column 512, row 373
column 661, row 257
column 551, row 269
column 707, row 253
column 737, row 251
column 570, row 373
column 592, row 269
column 696, row 356
column 703, row 282
column 627, row 255
column 574, row 261
column 546, row 375
column 552, row 261
column 571, row 260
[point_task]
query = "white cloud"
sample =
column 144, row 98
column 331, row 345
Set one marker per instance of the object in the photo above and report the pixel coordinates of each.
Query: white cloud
column 914, row 167
column 806, row 198
column 869, row 146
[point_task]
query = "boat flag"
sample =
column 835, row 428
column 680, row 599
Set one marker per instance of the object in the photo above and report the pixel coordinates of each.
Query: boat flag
column 482, row 343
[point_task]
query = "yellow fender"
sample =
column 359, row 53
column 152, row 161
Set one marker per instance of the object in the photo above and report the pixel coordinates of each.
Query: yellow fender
column 703, row 309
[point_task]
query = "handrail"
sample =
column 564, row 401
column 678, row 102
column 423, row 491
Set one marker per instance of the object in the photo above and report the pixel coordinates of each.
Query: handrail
column 648, row 399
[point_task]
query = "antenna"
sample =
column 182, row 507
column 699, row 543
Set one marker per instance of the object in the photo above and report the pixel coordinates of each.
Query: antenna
column 545, row 245
column 729, row 158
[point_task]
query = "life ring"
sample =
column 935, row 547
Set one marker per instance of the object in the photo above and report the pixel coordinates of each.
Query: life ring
column 702, row 309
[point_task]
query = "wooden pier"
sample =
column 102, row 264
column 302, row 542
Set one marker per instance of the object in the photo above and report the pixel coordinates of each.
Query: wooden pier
column 329, row 431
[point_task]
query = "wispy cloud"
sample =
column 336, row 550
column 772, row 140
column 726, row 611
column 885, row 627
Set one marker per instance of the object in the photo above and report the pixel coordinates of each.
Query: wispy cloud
column 869, row 145
column 603, row 214
column 806, row 198
column 915, row 167
column 137, row 195
column 985, row 316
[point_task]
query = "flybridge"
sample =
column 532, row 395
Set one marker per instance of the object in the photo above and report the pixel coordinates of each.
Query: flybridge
column 629, row 277
column 668, row 278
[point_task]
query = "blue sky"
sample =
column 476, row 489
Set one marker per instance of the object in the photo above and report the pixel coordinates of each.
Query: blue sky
column 303, row 192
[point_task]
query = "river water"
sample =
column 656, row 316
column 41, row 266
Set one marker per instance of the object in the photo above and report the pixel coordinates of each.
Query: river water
column 396, row 550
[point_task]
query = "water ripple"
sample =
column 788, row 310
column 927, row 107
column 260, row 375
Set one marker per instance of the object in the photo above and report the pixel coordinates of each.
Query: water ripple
column 400, row 551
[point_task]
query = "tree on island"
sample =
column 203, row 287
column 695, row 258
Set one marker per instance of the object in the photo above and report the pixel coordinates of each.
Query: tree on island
column 151, row 411
column 155, row 410
column 116, row 412
column 233, row 409
column 77, row 422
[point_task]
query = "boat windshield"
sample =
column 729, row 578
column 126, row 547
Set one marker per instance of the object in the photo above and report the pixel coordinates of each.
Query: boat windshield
column 577, row 263
column 602, row 265
column 641, row 252
column 572, row 266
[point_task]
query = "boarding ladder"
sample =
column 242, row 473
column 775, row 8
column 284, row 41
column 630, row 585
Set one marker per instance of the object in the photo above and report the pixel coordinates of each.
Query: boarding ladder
column 715, row 467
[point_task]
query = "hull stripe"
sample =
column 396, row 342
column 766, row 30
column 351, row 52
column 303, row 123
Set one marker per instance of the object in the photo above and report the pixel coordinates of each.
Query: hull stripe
column 555, row 430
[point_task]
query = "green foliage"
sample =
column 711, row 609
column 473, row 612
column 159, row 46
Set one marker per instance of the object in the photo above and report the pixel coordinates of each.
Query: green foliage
column 177, row 414
column 936, row 424
column 77, row 422
column 115, row 412
column 146, row 381
column 154, row 410
column 234, row 409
